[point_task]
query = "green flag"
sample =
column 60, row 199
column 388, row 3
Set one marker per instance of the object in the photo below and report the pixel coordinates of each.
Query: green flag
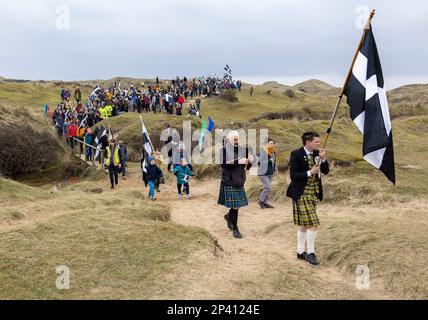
column 203, row 132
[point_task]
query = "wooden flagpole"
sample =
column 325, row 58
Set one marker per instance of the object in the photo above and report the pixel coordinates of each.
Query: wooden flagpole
column 342, row 91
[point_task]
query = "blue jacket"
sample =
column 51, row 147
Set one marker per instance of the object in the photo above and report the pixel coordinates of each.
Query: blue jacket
column 153, row 172
column 181, row 172
column 124, row 152
column 60, row 122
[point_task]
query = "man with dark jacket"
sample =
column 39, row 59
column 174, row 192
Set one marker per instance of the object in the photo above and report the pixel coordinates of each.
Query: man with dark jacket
column 235, row 161
column 306, row 166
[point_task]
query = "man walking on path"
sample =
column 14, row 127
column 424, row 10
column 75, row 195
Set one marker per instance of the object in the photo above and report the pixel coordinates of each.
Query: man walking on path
column 113, row 162
column 306, row 166
column 235, row 161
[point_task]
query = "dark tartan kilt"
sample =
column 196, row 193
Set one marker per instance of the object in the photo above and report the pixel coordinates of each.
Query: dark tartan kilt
column 305, row 211
column 232, row 197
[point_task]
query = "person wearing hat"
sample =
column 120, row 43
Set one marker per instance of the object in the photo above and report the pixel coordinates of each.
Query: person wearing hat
column 235, row 161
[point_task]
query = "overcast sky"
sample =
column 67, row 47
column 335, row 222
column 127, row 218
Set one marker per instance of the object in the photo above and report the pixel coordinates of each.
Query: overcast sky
column 287, row 41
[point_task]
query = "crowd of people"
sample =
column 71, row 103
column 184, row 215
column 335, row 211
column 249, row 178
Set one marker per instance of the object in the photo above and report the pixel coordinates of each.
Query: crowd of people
column 160, row 96
column 306, row 163
column 73, row 118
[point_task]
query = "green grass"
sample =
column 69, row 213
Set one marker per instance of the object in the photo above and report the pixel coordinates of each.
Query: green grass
column 379, row 242
column 117, row 245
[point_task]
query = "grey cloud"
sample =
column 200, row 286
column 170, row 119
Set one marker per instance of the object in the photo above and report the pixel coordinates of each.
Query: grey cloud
column 259, row 39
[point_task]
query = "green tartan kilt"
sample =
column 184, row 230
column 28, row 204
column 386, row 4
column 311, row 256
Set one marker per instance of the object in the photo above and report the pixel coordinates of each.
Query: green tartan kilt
column 305, row 211
column 232, row 197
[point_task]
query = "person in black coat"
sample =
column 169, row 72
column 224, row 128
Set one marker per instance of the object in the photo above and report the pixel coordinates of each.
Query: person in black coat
column 235, row 161
column 305, row 190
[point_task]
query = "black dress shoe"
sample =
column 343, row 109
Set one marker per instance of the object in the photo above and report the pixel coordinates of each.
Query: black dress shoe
column 262, row 204
column 312, row 259
column 267, row 205
column 237, row 234
column 302, row 256
column 229, row 223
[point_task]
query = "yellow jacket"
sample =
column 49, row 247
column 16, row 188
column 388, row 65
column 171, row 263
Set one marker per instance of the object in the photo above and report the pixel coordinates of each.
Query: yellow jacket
column 109, row 110
column 103, row 112
column 81, row 132
column 116, row 157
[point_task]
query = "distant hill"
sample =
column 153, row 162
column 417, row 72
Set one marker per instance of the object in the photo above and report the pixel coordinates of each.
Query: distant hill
column 274, row 84
column 412, row 94
column 314, row 86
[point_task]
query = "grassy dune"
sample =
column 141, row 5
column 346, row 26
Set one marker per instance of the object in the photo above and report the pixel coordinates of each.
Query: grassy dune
column 116, row 244
column 119, row 246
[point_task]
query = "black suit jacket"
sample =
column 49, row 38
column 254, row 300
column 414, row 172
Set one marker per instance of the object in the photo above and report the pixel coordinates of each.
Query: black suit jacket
column 299, row 176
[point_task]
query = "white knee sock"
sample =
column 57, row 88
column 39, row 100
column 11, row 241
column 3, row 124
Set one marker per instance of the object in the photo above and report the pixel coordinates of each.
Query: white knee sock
column 301, row 240
column 310, row 238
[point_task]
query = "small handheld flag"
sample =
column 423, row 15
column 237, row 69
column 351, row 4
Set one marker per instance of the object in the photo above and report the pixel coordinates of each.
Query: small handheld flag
column 211, row 124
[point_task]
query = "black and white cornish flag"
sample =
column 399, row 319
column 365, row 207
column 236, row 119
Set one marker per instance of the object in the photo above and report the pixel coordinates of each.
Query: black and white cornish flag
column 366, row 97
column 98, row 139
column 147, row 145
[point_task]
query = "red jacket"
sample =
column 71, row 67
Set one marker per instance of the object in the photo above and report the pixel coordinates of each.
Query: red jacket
column 79, row 107
column 180, row 100
column 72, row 131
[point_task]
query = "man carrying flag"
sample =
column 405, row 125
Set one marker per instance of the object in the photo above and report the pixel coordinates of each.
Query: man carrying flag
column 305, row 189
column 366, row 97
